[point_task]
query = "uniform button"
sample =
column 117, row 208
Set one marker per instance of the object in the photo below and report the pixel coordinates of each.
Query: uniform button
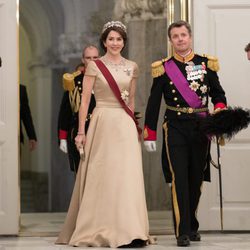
column 171, row 83
column 178, row 113
column 175, row 98
column 173, row 91
column 80, row 88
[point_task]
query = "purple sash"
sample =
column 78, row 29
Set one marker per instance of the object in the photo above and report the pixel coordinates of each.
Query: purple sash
column 182, row 85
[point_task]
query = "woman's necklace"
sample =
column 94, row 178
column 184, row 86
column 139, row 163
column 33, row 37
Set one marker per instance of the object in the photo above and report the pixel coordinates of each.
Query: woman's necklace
column 113, row 65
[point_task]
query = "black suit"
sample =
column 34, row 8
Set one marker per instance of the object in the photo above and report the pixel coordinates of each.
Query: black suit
column 25, row 116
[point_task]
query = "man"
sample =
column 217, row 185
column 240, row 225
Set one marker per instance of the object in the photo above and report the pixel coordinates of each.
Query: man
column 68, row 114
column 247, row 49
column 26, row 119
column 186, row 80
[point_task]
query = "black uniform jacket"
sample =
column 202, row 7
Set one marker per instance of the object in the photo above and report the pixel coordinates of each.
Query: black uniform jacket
column 205, row 86
column 68, row 115
column 25, row 116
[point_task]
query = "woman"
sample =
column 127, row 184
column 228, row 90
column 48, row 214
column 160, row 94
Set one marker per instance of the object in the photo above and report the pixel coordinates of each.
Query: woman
column 108, row 206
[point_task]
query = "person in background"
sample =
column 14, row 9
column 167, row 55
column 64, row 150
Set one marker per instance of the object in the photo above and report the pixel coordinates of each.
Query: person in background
column 26, row 119
column 186, row 80
column 68, row 114
column 247, row 49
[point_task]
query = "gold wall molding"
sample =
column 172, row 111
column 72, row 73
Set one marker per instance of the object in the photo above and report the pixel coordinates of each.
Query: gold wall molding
column 185, row 14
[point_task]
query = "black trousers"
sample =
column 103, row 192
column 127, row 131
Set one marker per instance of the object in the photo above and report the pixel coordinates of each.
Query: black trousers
column 187, row 150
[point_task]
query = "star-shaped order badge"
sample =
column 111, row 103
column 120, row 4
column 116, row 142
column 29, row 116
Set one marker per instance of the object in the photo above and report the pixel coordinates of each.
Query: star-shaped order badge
column 194, row 85
column 203, row 89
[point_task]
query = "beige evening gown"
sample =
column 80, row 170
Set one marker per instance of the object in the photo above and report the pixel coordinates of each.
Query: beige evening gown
column 108, row 206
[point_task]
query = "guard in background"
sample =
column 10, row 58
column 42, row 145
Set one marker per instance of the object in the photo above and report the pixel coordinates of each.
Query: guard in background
column 68, row 114
column 186, row 81
column 26, row 119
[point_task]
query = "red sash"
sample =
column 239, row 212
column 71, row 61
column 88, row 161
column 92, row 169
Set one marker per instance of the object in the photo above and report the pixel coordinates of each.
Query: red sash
column 114, row 87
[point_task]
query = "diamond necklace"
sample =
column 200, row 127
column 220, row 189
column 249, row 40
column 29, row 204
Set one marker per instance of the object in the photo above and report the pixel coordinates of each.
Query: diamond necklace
column 115, row 66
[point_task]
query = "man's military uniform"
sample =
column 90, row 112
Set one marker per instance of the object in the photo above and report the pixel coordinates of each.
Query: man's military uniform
column 68, row 114
column 185, row 149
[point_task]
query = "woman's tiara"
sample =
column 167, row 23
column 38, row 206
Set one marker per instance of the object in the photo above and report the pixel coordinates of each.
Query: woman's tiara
column 114, row 24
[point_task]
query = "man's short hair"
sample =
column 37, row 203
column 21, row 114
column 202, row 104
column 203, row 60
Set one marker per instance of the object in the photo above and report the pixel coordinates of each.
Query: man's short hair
column 86, row 47
column 247, row 48
column 179, row 24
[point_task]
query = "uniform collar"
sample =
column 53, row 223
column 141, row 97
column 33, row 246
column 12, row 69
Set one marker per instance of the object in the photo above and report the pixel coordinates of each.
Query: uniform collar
column 182, row 59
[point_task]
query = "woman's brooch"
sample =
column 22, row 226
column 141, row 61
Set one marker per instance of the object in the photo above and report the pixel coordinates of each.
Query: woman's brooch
column 125, row 95
column 128, row 71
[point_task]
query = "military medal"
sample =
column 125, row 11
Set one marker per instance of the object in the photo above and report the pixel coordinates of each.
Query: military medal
column 195, row 72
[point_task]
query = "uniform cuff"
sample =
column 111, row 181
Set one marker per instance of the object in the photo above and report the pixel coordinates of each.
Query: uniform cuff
column 219, row 105
column 63, row 134
column 149, row 135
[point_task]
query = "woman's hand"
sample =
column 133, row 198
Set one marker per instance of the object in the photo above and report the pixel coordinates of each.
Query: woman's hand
column 80, row 141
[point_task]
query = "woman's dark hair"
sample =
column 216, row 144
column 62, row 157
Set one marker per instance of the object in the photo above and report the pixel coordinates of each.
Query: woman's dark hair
column 104, row 36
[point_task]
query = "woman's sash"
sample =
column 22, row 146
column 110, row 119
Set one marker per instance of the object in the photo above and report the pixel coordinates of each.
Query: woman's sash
column 114, row 87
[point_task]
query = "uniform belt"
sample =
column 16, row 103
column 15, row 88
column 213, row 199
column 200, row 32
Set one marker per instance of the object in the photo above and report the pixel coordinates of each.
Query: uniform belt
column 187, row 110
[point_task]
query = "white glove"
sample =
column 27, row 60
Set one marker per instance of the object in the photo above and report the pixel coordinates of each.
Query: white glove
column 63, row 146
column 150, row 146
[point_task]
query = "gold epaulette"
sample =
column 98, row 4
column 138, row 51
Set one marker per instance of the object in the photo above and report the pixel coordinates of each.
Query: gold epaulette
column 212, row 63
column 158, row 68
column 68, row 80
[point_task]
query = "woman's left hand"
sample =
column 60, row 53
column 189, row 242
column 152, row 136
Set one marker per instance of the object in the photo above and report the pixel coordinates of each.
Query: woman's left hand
column 80, row 141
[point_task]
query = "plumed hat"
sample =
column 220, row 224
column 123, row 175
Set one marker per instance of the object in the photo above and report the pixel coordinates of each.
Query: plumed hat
column 226, row 123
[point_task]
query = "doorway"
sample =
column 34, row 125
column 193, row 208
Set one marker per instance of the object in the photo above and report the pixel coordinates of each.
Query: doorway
column 50, row 45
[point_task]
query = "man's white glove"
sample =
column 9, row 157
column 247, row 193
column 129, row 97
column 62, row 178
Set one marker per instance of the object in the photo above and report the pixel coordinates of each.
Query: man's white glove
column 63, row 146
column 150, row 146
